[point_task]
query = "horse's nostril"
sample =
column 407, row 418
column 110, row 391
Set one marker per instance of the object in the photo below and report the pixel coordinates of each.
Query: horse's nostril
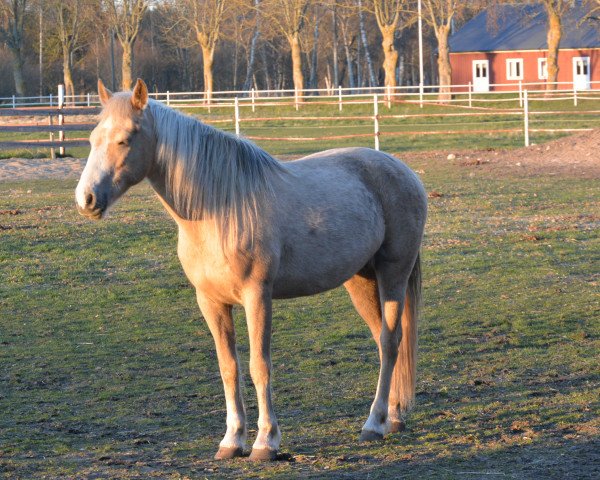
column 89, row 200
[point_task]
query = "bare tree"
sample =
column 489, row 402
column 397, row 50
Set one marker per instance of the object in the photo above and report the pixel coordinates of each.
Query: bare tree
column 365, row 42
column 594, row 10
column 289, row 17
column 251, row 54
column 555, row 10
column 125, row 17
column 69, row 18
column 334, row 26
column 440, row 14
column 205, row 19
column 12, row 26
column 390, row 15
column 348, row 29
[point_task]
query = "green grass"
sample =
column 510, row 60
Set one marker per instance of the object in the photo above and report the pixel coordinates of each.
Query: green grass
column 108, row 371
column 396, row 143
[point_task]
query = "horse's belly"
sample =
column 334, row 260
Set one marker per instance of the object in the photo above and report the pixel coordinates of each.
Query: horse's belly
column 309, row 267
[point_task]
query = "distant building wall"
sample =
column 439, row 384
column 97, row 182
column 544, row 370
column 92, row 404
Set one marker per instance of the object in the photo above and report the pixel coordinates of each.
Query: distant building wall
column 462, row 68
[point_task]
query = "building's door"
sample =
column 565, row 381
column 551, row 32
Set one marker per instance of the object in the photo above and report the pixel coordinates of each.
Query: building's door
column 481, row 76
column 581, row 73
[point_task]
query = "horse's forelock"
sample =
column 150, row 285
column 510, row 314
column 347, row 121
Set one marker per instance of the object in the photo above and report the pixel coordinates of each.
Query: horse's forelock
column 118, row 108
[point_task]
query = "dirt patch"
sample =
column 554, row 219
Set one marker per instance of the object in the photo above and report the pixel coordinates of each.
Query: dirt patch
column 44, row 119
column 13, row 169
column 573, row 156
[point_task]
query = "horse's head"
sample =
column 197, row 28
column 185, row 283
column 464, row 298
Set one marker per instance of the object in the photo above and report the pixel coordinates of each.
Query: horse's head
column 122, row 150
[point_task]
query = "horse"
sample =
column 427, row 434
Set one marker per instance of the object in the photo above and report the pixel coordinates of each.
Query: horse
column 252, row 229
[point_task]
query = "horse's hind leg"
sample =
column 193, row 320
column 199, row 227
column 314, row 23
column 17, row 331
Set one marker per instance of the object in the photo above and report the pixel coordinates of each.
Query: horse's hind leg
column 390, row 283
column 220, row 322
column 364, row 293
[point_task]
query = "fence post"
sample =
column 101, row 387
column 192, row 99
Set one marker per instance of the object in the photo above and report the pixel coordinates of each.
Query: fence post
column 168, row 98
column 51, row 100
column 14, row 101
column 296, row 101
column 340, row 96
column 470, row 95
column 421, row 94
column 237, row 116
column 61, row 118
column 520, row 94
column 88, row 99
column 526, row 117
column 376, row 120
column 575, row 97
column 52, row 150
column 252, row 95
column 389, row 96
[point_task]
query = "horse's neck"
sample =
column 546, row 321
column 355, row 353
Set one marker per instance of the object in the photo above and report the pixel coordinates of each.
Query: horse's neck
column 198, row 228
column 156, row 177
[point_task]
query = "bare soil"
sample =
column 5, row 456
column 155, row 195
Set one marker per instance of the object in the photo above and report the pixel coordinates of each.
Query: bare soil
column 575, row 156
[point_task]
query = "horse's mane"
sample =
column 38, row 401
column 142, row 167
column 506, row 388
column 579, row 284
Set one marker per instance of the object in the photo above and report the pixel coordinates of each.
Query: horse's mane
column 210, row 174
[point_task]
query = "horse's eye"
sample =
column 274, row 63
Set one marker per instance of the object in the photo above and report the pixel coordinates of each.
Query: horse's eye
column 122, row 142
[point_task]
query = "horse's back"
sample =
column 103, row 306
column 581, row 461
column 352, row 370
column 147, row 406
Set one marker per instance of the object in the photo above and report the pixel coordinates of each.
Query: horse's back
column 394, row 186
column 378, row 170
column 335, row 211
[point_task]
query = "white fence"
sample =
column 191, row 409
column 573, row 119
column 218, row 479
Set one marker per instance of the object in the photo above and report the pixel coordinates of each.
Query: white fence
column 514, row 107
column 339, row 96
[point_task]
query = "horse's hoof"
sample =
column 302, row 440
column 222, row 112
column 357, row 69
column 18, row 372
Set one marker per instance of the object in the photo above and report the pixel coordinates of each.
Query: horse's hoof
column 226, row 453
column 263, row 455
column 370, row 436
column 397, row 426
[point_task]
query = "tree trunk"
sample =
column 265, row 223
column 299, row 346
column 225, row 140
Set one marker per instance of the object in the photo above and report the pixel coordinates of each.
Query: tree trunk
column 336, row 68
column 444, row 66
column 314, row 61
column 263, row 54
column 553, row 37
column 297, row 65
column 208, row 54
column 18, row 72
column 401, row 70
column 252, row 55
column 349, row 66
column 67, row 74
column 365, row 42
column 390, row 55
column 126, row 66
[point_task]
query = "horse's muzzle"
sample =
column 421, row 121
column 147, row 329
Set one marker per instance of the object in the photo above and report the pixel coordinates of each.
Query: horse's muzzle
column 93, row 208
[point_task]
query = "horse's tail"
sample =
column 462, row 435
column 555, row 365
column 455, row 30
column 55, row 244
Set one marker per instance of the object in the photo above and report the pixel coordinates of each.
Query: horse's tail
column 405, row 372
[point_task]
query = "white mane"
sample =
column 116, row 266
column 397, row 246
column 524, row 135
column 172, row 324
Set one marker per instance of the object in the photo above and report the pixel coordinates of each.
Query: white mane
column 212, row 174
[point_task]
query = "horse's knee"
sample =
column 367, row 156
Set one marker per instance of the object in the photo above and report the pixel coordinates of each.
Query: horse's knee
column 260, row 371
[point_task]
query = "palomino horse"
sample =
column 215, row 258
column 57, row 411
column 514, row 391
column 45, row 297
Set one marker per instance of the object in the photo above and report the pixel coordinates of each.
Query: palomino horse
column 252, row 229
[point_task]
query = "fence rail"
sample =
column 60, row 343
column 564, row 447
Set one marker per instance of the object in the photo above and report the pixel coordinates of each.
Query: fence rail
column 497, row 106
column 429, row 94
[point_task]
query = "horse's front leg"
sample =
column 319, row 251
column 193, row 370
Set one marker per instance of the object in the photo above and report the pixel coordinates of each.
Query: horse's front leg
column 220, row 322
column 258, row 315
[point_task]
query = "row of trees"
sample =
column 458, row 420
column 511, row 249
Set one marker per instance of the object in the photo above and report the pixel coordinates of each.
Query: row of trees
column 241, row 43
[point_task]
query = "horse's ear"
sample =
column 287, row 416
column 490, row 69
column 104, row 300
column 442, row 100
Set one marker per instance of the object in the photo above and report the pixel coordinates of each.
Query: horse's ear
column 139, row 99
column 103, row 92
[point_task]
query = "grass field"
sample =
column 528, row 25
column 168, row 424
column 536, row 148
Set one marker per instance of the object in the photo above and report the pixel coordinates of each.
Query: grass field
column 108, row 371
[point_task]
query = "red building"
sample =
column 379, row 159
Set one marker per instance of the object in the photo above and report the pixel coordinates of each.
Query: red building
column 498, row 52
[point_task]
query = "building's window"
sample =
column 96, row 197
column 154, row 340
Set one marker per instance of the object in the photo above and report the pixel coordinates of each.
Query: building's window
column 581, row 66
column 542, row 68
column 514, row 69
